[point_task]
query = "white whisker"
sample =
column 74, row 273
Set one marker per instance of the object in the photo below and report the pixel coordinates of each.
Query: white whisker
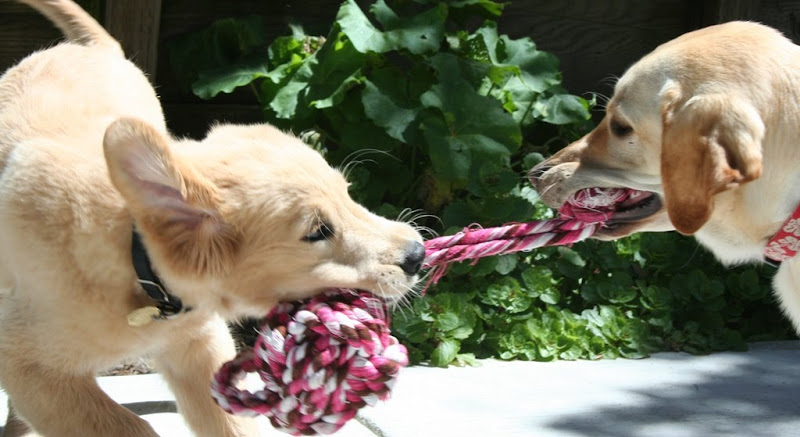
column 407, row 212
column 426, row 231
column 355, row 158
column 610, row 80
column 546, row 189
column 421, row 216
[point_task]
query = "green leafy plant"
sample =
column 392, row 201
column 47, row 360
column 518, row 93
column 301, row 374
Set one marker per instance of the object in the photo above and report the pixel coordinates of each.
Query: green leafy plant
column 628, row 298
column 445, row 117
column 448, row 107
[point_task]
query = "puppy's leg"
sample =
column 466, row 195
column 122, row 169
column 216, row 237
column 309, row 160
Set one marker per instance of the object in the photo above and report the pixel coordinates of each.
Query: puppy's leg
column 188, row 365
column 15, row 426
column 55, row 403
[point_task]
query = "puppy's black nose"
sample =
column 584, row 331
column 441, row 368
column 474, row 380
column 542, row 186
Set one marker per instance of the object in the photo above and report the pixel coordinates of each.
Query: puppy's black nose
column 414, row 256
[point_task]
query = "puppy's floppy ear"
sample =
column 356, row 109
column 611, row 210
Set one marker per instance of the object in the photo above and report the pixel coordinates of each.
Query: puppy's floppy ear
column 710, row 143
column 174, row 207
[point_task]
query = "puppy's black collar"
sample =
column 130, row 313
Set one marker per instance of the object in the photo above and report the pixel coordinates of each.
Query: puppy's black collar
column 167, row 305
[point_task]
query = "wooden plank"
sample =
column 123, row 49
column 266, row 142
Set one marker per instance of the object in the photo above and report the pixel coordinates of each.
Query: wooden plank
column 596, row 41
column 721, row 11
column 136, row 25
column 783, row 15
column 22, row 31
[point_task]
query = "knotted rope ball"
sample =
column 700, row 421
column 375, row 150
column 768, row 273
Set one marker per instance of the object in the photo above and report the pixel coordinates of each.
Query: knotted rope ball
column 323, row 359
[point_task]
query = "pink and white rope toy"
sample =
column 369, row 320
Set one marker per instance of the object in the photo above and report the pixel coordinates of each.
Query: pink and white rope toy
column 579, row 219
column 323, row 359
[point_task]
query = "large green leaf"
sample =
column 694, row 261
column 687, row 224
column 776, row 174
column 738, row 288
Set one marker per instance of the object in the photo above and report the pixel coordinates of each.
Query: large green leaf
column 225, row 79
column 564, row 109
column 445, row 352
column 322, row 80
column 286, row 101
column 506, row 263
column 224, row 44
column 492, row 7
column 467, row 123
column 522, row 75
column 387, row 113
column 538, row 70
column 420, row 34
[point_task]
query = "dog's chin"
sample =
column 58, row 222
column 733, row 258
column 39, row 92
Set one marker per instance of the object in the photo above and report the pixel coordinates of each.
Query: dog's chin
column 617, row 231
column 390, row 292
column 647, row 215
column 396, row 292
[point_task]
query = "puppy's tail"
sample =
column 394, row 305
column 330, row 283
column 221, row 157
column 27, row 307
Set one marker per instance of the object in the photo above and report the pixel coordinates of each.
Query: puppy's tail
column 78, row 26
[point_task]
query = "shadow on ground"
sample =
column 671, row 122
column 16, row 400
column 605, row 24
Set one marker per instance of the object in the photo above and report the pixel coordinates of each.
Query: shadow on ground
column 758, row 395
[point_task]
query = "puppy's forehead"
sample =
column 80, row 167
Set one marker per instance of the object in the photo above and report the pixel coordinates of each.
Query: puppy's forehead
column 638, row 93
column 267, row 173
column 297, row 170
column 264, row 151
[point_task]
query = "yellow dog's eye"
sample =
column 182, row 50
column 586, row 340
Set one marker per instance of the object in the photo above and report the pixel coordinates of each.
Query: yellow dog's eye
column 619, row 129
column 323, row 232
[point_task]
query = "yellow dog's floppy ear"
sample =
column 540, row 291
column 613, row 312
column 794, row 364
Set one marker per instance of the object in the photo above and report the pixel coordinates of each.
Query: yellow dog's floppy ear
column 175, row 208
column 710, row 143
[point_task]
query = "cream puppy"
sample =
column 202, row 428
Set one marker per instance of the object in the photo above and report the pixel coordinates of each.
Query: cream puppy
column 224, row 228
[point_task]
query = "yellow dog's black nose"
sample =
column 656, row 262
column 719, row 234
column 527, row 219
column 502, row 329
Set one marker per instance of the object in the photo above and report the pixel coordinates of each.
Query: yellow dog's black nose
column 414, row 256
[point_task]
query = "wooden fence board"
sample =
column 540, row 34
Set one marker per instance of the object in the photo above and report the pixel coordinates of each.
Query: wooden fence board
column 597, row 40
column 22, row 31
column 720, row 11
column 136, row 25
column 783, row 15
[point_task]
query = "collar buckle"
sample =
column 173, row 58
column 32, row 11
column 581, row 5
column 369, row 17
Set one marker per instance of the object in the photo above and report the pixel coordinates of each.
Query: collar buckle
column 167, row 305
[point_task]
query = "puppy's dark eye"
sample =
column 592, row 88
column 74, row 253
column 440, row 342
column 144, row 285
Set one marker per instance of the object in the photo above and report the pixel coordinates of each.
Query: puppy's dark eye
column 619, row 129
column 323, row 232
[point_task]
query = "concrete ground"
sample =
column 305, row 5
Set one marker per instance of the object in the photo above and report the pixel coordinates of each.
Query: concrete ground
column 750, row 394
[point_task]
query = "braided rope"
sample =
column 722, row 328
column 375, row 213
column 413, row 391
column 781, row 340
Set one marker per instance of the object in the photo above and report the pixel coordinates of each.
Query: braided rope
column 580, row 218
column 324, row 358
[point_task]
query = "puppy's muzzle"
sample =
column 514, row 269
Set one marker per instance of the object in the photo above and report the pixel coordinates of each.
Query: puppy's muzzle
column 536, row 173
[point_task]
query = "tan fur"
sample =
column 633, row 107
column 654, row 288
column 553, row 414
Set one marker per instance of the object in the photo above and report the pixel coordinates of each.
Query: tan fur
column 715, row 122
column 84, row 157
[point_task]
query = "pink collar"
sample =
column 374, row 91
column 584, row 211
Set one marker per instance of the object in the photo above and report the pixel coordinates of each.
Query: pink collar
column 786, row 243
